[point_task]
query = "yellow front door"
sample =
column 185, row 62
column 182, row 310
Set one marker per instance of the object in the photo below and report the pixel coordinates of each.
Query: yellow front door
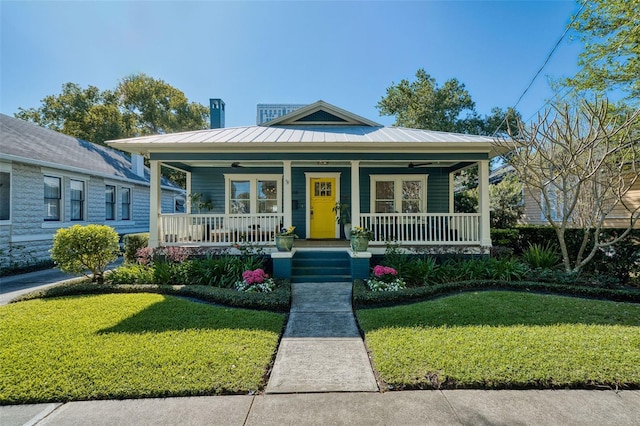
column 323, row 198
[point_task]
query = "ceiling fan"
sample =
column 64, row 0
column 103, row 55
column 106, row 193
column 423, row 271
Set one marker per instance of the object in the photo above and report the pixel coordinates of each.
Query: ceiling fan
column 414, row 165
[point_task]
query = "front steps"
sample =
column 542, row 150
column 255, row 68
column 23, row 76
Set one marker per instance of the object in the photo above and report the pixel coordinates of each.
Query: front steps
column 321, row 266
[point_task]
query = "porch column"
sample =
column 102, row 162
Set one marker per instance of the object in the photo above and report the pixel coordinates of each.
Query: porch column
column 155, row 207
column 188, row 189
column 483, row 201
column 355, row 193
column 286, row 194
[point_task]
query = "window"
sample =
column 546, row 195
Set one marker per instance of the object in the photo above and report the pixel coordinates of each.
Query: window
column 5, row 195
column 77, row 200
column 125, row 200
column 52, row 197
column 179, row 205
column 110, row 202
column 248, row 194
column 398, row 194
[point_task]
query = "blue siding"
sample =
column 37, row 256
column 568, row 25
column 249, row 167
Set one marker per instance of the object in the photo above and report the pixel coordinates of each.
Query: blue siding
column 210, row 182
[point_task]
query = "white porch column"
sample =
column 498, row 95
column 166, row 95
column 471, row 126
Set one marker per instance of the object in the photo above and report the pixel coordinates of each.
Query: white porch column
column 155, row 203
column 355, row 193
column 286, row 194
column 483, row 201
column 188, row 189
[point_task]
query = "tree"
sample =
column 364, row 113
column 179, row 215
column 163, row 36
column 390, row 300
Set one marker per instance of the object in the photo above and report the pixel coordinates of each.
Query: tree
column 579, row 163
column 422, row 104
column 505, row 202
column 610, row 31
column 139, row 105
column 79, row 249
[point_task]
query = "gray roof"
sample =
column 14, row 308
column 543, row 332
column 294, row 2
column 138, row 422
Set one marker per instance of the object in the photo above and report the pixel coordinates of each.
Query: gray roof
column 307, row 134
column 28, row 142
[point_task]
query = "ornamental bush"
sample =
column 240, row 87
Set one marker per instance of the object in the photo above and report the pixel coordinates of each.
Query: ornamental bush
column 133, row 243
column 91, row 248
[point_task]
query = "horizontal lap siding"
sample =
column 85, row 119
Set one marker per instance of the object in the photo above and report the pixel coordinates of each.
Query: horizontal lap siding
column 437, row 186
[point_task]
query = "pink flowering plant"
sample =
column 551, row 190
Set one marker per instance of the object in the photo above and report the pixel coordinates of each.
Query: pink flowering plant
column 256, row 280
column 385, row 278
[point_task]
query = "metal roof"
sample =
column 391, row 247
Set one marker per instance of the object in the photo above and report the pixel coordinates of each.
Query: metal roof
column 305, row 134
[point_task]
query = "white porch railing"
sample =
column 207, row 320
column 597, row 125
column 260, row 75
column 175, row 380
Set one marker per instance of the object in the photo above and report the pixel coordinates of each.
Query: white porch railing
column 218, row 229
column 423, row 228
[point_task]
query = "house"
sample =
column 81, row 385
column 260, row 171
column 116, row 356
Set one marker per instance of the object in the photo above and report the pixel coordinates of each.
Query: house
column 535, row 209
column 49, row 180
column 293, row 169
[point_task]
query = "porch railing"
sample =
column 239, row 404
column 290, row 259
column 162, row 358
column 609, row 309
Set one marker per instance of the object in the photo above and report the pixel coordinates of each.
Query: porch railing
column 423, row 228
column 218, row 229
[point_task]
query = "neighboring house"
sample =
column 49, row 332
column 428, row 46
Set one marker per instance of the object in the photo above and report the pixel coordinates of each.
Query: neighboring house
column 535, row 215
column 292, row 170
column 49, row 180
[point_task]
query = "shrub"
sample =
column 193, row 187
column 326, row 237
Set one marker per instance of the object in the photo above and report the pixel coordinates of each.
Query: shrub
column 133, row 243
column 541, row 256
column 85, row 248
column 255, row 281
column 131, row 274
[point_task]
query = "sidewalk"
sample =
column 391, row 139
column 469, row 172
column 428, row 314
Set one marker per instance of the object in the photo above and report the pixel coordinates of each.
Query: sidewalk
column 322, row 376
column 455, row 407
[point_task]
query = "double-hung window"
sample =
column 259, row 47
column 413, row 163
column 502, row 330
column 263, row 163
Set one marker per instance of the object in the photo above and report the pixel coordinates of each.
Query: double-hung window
column 52, row 198
column 77, row 199
column 398, row 193
column 5, row 192
column 110, row 202
column 125, row 203
column 249, row 194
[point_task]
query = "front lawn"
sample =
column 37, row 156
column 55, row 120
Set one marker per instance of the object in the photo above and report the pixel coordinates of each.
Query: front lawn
column 501, row 339
column 131, row 346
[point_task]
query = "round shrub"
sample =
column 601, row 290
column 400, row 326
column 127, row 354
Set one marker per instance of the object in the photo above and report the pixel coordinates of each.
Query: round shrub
column 79, row 249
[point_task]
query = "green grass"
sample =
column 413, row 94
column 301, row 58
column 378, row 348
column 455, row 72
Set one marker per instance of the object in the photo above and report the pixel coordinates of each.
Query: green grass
column 501, row 339
column 129, row 346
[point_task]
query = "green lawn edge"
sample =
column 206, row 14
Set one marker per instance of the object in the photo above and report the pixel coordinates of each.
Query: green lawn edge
column 364, row 298
column 278, row 300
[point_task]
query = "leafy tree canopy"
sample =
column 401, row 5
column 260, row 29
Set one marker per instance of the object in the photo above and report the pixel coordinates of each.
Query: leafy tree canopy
column 423, row 104
column 610, row 31
column 139, row 105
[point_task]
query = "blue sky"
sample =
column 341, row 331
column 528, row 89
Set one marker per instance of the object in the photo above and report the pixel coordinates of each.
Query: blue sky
column 345, row 53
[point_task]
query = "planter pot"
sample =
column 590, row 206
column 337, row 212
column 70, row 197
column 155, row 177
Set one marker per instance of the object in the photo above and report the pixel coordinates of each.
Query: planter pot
column 359, row 243
column 284, row 242
column 347, row 229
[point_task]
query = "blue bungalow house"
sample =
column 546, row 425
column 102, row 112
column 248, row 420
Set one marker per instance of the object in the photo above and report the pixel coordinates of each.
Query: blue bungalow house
column 398, row 182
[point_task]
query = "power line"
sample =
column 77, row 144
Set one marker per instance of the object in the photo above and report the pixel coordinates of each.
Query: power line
column 546, row 61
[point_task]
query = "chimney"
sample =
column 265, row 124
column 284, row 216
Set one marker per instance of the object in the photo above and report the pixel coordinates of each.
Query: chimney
column 216, row 113
column 137, row 165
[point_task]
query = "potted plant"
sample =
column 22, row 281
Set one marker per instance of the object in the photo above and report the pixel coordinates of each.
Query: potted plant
column 284, row 238
column 343, row 217
column 360, row 238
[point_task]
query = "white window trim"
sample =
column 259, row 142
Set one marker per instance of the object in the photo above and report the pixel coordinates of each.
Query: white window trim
column 119, row 204
column 7, row 168
column 115, row 204
column 61, row 215
column 398, row 179
column 253, row 186
column 85, row 201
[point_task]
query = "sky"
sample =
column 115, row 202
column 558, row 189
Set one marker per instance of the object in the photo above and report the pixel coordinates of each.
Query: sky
column 345, row 53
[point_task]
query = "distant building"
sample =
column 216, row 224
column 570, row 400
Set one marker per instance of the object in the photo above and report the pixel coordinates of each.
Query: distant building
column 268, row 112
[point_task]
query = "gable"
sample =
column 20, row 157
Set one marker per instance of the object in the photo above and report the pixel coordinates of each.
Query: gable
column 321, row 113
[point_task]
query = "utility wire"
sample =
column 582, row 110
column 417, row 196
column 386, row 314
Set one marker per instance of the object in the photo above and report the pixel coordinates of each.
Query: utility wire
column 546, row 61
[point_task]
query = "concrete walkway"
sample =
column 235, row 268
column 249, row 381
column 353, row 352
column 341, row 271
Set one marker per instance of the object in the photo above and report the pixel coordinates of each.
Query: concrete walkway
column 452, row 407
column 321, row 350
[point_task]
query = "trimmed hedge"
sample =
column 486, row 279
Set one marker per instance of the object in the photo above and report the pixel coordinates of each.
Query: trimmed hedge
column 278, row 300
column 363, row 297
